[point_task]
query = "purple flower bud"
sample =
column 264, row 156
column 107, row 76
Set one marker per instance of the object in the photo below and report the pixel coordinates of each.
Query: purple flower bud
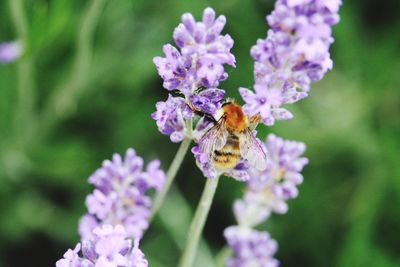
column 86, row 225
column 137, row 256
column 250, row 248
column 71, row 258
column 209, row 100
column 10, row 51
column 88, row 250
column 175, row 70
column 203, row 163
column 266, row 103
column 171, row 116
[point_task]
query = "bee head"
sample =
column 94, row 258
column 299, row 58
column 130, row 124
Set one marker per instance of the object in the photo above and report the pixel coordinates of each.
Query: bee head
column 228, row 101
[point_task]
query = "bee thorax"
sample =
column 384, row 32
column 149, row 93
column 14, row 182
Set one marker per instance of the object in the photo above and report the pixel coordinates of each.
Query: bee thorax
column 236, row 120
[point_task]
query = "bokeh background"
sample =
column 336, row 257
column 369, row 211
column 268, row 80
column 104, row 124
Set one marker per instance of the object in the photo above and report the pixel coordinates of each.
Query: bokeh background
column 86, row 86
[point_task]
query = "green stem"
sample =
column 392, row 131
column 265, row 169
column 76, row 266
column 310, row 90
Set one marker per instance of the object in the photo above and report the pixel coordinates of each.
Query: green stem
column 198, row 222
column 171, row 173
column 221, row 257
column 25, row 108
column 63, row 100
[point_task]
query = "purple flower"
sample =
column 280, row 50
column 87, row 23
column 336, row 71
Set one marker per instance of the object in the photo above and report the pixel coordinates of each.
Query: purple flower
column 194, row 71
column 108, row 246
column 10, row 51
column 208, row 101
column 120, row 194
column 171, row 117
column 203, row 40
column 251, row 248
column 72, row 259
column 175, row 70
column 266, row 103
column 86, row 225
column 294, row 54
column 203, row 52
column 268, row 191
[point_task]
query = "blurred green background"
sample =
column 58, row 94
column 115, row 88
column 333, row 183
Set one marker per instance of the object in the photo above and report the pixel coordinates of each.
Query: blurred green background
column 86, row 86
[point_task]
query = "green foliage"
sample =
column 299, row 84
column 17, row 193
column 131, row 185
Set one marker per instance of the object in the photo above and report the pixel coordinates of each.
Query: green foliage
column 86, row 86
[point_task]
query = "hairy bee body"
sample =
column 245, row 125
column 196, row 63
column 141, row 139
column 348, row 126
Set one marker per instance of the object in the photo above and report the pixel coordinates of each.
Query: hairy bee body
column 229, row 155
column 231, row 138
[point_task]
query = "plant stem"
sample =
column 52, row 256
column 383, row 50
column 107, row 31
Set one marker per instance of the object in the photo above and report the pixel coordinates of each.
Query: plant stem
column 25, row 108
column 198, row 222
column 171, row 173
column 221, row 257
column 63, row 101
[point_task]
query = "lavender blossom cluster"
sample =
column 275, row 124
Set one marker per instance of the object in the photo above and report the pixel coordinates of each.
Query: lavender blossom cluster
column 294, row 54
column 109, row 246
column 118, row 212
column 120, row 194
column 250, row 248
column 193, row 72
column 266, row 192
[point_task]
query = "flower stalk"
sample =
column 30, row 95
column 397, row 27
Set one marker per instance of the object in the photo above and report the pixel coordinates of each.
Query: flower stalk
column 63, row 100
column 25, row 110
column 198, row 222
column 171, row 173
column 222, row 256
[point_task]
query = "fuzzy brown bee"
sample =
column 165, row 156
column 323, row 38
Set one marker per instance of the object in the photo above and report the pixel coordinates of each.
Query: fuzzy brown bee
column 231, row 138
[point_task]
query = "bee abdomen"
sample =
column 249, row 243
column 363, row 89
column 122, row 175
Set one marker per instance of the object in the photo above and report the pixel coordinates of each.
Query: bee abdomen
column 227, row 157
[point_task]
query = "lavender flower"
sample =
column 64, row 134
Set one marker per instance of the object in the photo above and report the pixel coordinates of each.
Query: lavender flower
column 208, row 101
column 204, row 51
column 120, row 194
column 108, row 246
column 266, row 103
column 10, row 51
column 268, row 191
column 251, row 248
column 174, row 69
column 294, row 54
column 194, row 72
column 171, row 117
column 203, row 44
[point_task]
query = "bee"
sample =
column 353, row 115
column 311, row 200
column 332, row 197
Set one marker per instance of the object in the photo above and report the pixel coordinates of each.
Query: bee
column 231, row 138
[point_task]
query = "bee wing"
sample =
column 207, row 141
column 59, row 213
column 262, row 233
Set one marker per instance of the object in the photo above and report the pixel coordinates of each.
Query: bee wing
column 214, row 139
column 254, row 120
column 252, row 150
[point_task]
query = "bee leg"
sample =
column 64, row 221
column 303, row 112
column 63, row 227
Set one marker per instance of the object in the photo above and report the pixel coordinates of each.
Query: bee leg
column 202, row 114
column 206, row 115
